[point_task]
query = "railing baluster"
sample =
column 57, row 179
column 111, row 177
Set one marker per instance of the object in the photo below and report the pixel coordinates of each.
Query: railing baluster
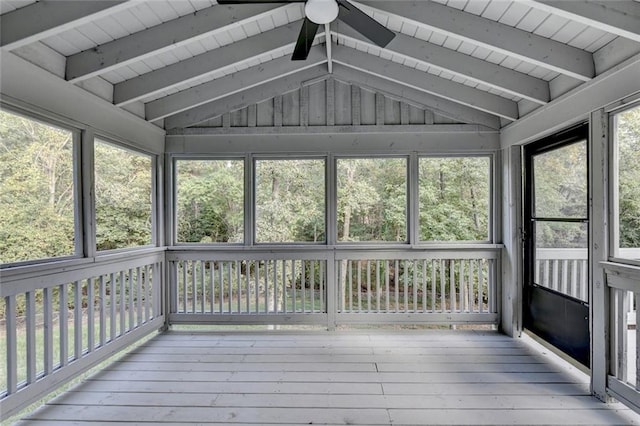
column 368, row 286
column 545, row 279
column 139, row 320
column 148, row 284
column 122, row 301
column 452, row 286
column 443, row 296
column 283, row 295
column 313, row 286
column 378, row 289
column 194, row 290
column 622, row 297
column 359, row 284
column 386, row 285
column 584, row 281
column 414, row 285
column 91, row 314
column 256, row 272
column 303, row 285
column 350, row 281
column 103, row 311
column 491, row 282
column 433, row 285
column 31, row 336
column 236, row 264
column 247, row 281
column 480, row 286
column 461, row 285
column 405, row 274
column 130, row 289
column 230, row 283
column 471, row 292
column 64, row 326
column 293, row 284
column 396, row 283
column 275, row 285
column 12, row 344
column 220, row 285
column 424, row 286
column 47, row 301
column 77, row 320
column 637, row 332
column 112, row 307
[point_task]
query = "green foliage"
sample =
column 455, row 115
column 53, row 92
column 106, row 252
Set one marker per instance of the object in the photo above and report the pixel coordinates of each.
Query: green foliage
column 290, row 201
column 454, row 199
column 628, row 139
column 210, row 201
column 372, row 199
column 123, row 197
column 36, row 190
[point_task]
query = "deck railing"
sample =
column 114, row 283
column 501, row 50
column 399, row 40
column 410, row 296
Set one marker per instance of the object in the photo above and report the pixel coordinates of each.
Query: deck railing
column 330, row 287
column 59, row 322
column 624, row 379
column 563, row 270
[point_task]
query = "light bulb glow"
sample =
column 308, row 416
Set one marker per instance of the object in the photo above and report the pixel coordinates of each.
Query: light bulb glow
column 321, row 11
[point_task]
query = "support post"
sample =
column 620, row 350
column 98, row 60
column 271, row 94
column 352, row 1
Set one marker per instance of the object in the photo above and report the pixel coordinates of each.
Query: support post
column 599, row 250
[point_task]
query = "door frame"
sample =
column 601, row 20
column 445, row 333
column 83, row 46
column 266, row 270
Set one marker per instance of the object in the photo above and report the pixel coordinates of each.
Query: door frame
column 534, row 296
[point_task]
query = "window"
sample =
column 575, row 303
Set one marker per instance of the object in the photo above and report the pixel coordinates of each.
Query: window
column 123, row 182
column 37, row 191
column 372, row 199
column 626, row 170
column 454, row 198
column 210, row 201
column 290, row 201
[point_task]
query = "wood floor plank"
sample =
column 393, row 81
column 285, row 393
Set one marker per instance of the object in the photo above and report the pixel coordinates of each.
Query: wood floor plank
column 296, row 378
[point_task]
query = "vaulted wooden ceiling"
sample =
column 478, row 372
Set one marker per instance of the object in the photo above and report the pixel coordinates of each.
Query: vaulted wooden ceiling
column 177, row 63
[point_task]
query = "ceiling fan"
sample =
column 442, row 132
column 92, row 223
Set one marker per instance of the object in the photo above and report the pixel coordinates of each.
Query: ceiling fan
column 320, row 12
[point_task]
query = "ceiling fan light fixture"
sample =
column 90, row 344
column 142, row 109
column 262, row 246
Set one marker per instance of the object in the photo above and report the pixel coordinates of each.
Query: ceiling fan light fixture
column 321, row 11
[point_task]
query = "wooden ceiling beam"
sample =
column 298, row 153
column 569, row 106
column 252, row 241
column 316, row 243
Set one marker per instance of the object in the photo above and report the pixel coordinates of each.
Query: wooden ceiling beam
column 492, row 35
column 47, row 18
column 456, row 63
column 232, row 102
column 613, row 16
column 439, row 105
column 425, row 82
column 206, row 63
column 228, row 85
column 160, row 38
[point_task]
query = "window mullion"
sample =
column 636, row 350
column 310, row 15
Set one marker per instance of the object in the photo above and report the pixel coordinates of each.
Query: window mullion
column 86, row 205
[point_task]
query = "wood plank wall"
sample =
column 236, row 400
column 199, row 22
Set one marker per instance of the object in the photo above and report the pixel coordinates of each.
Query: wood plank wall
column 328, row 102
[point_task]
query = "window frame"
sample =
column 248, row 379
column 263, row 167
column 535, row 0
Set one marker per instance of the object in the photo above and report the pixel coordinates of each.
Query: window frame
column 613, row 187
column 99, row 137
column 254, row 158
column 493, row 221
column 409, row 226
column 173, row 219
column 77, row 180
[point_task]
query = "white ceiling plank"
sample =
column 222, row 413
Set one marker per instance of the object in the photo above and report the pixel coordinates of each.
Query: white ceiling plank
column 183, row 30
column 206, row 63
column 230, row 84
column 425, row 82
column 44, row 19
column 478, row 70
column 614, row 16
column 248, row 96
column 399, row 91
column 495, row 36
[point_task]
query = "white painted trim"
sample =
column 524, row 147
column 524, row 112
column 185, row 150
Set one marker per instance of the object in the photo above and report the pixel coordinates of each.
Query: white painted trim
column 493, row 35
column 28, row 86
column 237, row 83
column 619, row 82
column 465, row 66
column 44, row 19
column 433, row 143
column 429, row 83
column 160, row 38
column 621, row 18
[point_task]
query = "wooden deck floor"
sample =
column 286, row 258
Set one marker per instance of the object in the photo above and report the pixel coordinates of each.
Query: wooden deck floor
column 426, row 377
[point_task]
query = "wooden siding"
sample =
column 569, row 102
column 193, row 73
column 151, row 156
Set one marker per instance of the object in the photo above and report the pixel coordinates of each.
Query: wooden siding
column 328, row 102
column 413, row 377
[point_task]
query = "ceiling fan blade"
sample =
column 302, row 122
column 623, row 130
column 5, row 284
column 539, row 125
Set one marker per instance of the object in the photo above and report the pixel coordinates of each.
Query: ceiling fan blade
column 305, row 40
column 258, row 1
column 364, row 24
